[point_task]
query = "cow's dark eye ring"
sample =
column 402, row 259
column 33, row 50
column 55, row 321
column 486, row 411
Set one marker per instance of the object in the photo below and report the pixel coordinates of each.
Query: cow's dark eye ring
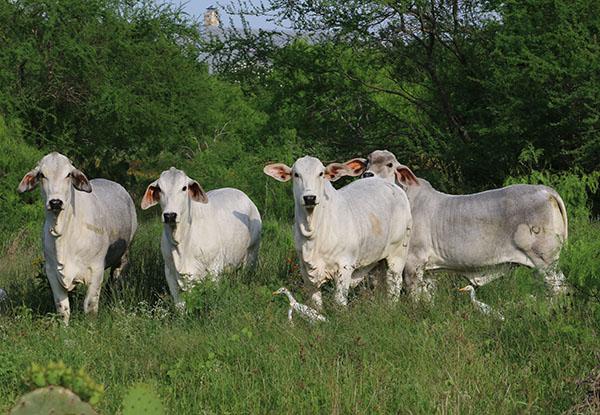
column 390, row 165
column 321, row 174
column 41, row 175
column 296, row 175
column 184, row 188
column 68, row 175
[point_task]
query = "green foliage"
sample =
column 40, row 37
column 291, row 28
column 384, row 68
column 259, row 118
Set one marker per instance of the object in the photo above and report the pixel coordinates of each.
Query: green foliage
column 58, row 374
column 574, row 186
column 16, row 159
column 580, row 261
column 204, row 297
column 51, row 400
column 142, row 399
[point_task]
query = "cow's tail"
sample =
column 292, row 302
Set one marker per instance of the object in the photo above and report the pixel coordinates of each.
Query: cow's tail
column 563, row 211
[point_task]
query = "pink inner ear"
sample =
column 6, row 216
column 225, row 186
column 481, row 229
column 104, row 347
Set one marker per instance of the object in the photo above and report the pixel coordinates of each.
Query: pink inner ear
column 405, row 175
column 151, row 196
column 356, row 165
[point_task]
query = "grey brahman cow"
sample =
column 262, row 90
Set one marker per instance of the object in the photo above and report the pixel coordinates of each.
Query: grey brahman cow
column 479, row 234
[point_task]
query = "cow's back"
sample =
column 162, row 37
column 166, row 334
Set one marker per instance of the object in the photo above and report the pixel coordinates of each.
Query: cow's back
column 480, row 229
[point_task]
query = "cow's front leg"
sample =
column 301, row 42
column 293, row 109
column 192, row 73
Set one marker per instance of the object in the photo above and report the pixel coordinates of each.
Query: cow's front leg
column 172, row 281
column 92, row 297
column 61, row 296
column 313, row 290
column 342, row 285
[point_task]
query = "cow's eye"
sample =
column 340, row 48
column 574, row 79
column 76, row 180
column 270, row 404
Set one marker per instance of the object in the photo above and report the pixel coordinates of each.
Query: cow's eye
column 184, row 188
column 68, row 175
column 321, row 174
column 41, row 175
column 157, row 188
column 296, row 175
column 390, row 165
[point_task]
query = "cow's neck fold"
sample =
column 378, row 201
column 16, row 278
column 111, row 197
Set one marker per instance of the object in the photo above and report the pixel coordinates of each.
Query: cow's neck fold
column 179, row 236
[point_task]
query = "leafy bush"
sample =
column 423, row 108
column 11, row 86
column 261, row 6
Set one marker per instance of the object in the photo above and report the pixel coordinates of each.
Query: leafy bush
column 574, row 187
column 16, row 159
column 580, row 260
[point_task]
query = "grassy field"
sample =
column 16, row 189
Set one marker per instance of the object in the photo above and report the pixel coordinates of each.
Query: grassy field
column 234, row 352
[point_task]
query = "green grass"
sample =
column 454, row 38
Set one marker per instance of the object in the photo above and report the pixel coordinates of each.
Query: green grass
column 237, row 354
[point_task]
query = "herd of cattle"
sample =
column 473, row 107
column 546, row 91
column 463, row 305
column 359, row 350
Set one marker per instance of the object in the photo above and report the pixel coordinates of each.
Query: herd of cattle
column 388, row 224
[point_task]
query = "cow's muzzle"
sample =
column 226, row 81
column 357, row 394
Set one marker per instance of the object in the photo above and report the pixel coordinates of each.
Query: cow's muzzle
column 170, row 217
column 55, row 205
column 310, row 201
column 368, row 174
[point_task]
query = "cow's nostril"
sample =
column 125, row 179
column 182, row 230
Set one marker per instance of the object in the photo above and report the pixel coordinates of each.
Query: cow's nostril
column 368, row 174
column 310, row 200
column 170, row 217
column 55, row 204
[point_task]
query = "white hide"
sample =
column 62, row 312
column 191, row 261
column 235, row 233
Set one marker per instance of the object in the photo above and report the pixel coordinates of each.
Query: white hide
column 347, row 232
column 213, row 232
column 477, row 235
column 90, row 232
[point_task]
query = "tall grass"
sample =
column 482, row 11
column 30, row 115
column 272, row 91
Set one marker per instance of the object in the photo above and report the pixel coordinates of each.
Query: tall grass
column 235, row 353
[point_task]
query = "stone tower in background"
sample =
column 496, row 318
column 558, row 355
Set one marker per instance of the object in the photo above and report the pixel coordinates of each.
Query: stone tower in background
column 211, row 17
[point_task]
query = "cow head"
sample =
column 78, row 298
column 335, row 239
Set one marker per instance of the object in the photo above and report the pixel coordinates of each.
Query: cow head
column 383, row 164
column 310, row 178
column 175, row 191
column 57, row 178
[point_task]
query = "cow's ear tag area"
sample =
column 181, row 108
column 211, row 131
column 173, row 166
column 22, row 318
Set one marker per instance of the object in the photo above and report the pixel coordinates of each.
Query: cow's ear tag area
column 197, row 193
column 278, row 171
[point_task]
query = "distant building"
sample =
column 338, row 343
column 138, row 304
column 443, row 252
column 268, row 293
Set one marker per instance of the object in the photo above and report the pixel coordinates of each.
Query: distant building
column 211, row 17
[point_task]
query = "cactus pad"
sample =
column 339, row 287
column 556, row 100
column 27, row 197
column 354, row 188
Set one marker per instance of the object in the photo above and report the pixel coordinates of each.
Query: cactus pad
column 53, row 400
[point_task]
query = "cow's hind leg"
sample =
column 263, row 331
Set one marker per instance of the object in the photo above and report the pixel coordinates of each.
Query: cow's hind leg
column 117, row 271
column 92, row 297
column 416, row 286
column 542, row 249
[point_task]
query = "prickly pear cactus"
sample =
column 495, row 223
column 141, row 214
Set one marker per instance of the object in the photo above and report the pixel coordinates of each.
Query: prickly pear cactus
column 141, row 399
column 53, row 400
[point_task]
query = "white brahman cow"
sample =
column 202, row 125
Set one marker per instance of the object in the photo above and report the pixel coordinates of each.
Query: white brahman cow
column 205, row 233
column 88, row 228
column 341, row 235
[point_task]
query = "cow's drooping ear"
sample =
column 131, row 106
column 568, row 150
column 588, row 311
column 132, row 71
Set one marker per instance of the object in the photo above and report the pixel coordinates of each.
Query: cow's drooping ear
column 197, row 193
column 334, row 171
column 29, row 181
column 278, row 171
column 152, row 195
column 80, row 182
column 357, row 166
column 405, row 176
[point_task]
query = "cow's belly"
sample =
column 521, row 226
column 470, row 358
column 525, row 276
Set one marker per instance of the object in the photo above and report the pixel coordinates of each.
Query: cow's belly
column 474, row 257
